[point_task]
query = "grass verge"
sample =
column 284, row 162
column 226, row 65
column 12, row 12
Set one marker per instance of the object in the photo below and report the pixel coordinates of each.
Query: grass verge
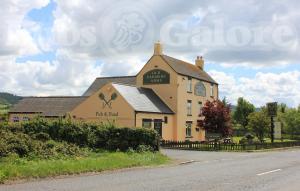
column 13, row 168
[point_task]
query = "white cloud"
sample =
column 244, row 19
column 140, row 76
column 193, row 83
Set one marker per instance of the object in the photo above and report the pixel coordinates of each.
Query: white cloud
column 110, row 37
column 262, row 88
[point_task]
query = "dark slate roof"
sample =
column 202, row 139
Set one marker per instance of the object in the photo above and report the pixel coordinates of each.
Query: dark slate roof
column 100, row 82
column 142, row 99
column 47, row 106
column 187, row 69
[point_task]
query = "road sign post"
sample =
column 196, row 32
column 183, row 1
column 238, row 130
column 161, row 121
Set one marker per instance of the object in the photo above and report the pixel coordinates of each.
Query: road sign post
column 272, row 112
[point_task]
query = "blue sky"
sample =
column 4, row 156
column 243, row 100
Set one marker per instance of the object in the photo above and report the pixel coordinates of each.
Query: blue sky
column 59, row 47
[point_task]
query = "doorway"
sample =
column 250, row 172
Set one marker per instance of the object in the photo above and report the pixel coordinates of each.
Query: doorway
column 158, row 126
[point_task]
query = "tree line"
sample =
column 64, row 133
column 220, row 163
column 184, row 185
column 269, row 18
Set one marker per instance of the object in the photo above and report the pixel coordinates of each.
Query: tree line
column 218, row 117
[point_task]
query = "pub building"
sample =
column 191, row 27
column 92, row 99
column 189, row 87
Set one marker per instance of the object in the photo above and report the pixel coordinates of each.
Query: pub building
column 166, row 95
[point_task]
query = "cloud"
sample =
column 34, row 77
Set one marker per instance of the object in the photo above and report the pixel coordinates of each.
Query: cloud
column 262, row 88
column 110, row 37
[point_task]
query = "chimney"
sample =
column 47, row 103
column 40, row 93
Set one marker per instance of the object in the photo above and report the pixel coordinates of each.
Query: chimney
column 158, row 48
column 199, row 62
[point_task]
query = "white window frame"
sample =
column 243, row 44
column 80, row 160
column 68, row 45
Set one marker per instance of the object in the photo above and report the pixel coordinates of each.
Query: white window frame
column 211, row 90
column 188, row 129
column 189, row 85
column 189, row 107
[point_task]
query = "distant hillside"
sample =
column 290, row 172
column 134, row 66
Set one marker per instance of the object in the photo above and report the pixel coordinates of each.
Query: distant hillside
column 8, row 99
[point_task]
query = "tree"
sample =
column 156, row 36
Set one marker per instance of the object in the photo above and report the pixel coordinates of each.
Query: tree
column 259, row 123
column 215, row 118
column 243, row 109
column 291, row 120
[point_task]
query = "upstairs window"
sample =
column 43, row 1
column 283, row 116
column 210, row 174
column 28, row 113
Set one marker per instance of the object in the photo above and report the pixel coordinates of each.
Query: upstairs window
column 146, row 123
column 211, row 90
column 200, row 105
column 189, row 85
column 189, row 107
column 200, row 89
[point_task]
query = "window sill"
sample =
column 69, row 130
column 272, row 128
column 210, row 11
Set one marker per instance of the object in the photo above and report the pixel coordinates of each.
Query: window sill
column 189, row 137
column 189, row 92
column 189, row 115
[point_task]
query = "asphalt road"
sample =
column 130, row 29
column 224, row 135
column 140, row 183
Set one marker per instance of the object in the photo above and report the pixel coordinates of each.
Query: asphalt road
column 276, row 171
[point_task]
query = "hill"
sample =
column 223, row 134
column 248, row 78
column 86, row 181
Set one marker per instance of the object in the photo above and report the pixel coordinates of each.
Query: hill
column 8, row 99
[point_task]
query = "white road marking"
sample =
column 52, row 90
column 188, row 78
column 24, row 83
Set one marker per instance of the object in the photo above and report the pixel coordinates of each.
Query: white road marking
column 187, row 162
column 264, row 173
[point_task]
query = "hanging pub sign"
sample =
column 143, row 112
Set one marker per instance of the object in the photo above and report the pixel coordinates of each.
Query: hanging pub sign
column 156, row 76
column 272, row 109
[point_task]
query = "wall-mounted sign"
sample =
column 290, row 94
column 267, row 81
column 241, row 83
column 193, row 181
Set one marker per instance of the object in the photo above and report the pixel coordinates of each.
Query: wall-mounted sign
column 156, row 76
column 107, row 114
column 107, row 102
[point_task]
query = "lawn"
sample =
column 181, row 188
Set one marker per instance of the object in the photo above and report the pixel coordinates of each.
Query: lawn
column 14, row 168
column 268, row 140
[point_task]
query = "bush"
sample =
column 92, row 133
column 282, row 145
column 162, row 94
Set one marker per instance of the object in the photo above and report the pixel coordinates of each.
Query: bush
column 53, row 138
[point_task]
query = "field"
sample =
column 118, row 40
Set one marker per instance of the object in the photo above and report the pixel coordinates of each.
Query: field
column 14, row 168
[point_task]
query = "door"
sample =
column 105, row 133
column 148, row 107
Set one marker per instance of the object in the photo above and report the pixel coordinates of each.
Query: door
column 158, row 126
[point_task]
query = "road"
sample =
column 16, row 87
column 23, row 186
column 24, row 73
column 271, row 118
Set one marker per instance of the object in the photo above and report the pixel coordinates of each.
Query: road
column 217, row 171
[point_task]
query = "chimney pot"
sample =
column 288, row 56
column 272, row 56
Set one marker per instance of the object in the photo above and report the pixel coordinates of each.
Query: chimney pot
column 158, row 48
column 199, row 62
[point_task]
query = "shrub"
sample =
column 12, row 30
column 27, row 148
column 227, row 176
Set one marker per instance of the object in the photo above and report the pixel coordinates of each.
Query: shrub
column 52, row 138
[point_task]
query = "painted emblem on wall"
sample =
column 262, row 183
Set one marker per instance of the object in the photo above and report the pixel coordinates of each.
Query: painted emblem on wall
column 156, row 76
column 107, row 102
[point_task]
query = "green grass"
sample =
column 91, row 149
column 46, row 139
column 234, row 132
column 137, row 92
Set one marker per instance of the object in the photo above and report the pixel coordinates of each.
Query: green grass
column 268, row 140
column 12, row 168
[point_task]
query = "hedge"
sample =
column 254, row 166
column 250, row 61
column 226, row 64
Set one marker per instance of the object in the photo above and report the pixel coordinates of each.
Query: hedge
column 88, row 135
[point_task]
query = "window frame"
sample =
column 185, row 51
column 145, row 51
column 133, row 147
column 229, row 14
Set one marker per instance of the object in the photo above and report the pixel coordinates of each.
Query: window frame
column 145, row 120
column 189, row 107
column 212, row 90
column 188, row 129
column 189, row 86
column 200, row 83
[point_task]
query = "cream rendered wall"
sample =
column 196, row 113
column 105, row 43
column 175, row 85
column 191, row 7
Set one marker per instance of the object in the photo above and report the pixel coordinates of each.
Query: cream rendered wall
column 167, row 128
column 182, row 116
column 178, row 91
column 87, row 110
column 167, row 92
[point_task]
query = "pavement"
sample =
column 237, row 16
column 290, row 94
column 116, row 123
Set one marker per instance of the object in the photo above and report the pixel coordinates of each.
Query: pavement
column 194, row 170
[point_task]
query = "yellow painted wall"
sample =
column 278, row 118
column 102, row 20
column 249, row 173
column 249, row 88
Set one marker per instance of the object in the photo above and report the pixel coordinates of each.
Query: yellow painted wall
column 87, row 110
column 167, row 92
column 177, row 90
column 182, row 116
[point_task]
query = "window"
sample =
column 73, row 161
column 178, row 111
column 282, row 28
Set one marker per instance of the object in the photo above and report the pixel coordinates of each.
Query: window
column 146, row 123
column 200, row 89
column 16, row 119
column 189, row 85
column 26, row 119
column 189, row 107
column 200, row 107
column 212, row 90
column 188, row 129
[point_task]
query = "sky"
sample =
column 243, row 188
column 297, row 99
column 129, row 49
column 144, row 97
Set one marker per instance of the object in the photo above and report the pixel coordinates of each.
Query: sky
column 56, row 47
